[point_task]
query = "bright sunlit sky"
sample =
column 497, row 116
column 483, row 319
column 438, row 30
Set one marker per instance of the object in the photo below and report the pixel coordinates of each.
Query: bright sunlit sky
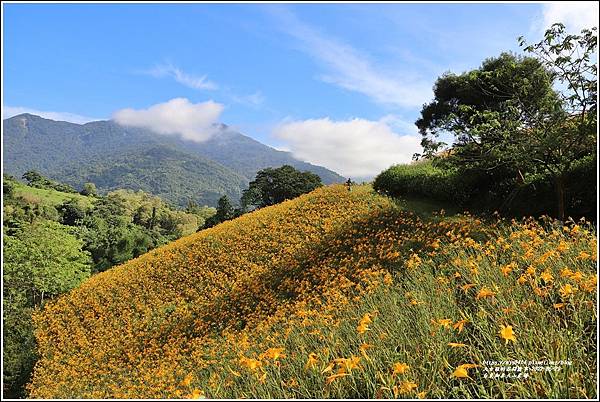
column 339, row 85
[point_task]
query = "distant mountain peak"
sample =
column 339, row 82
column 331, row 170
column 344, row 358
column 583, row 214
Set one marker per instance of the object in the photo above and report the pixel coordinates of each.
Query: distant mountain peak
column 109, row 154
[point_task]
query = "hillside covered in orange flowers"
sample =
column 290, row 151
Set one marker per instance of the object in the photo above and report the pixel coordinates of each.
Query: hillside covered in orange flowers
column 334, row 294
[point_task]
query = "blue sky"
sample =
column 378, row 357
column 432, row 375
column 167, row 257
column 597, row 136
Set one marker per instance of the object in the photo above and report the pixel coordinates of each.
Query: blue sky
column 337, row 84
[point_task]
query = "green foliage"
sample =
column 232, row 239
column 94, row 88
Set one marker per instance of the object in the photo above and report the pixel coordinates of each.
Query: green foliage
column 225, row 212
column 488, row 109
column 44, row 258
column 35, row 179
column 163, row 171
column 506, row 115
column 8, row 185
column 41, row 260
column 425, row 180
column 111, row 237
column 493, row 191
column 72, row 212
column 89, row 189
column 272, row 186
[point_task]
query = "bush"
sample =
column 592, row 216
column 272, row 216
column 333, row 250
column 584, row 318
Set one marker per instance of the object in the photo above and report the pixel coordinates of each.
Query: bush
column 424, row 179
column 496, row 190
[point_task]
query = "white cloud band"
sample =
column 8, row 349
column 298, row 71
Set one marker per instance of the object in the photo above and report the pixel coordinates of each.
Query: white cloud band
column 193, row 121
column 354, row 148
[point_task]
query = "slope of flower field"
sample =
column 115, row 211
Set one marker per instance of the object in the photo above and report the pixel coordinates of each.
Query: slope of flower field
column 335, row 294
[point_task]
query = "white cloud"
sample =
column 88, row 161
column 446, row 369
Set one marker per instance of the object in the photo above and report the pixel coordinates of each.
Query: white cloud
column 10, row 111
column 351, row 70
column 354, row 148
column 192, row 121
column 575, row 15
column 191, row 81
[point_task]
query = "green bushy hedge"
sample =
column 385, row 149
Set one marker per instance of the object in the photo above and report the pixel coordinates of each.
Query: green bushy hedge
column 426, row 180
column 490, row 191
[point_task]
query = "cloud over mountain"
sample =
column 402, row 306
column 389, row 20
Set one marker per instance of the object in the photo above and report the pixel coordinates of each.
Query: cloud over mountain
column 192, row 121
column 356, row 148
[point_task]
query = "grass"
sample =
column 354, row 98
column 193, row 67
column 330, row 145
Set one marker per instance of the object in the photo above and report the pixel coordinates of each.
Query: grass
column 49, row 197
column 335, row 294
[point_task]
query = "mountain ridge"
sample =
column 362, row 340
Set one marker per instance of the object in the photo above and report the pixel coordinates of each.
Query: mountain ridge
column 77, row 153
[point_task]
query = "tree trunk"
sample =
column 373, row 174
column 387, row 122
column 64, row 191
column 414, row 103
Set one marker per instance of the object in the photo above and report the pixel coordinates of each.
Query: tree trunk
column 152, row 219
column 559, row 184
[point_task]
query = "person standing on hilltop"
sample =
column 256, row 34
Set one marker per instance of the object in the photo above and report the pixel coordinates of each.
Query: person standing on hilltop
column 349, row 184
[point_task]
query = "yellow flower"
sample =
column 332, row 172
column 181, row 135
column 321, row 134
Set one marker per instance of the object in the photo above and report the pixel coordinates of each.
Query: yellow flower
column 363, row 349
column 312, row 361
column 559, row 305
column 461, row 372
column 566, row 290
column 444, row 322
column 274, row 353
column 421, row 395
column 350, row 363
column 562, row 246
column 467, row 286
column 366, row 319
column 566, row 273
column 251, row 364
column 459, row 325
column 507, row 269
column 522, row 280
column 456, row 345
column 484, row 292
column 400, row 368
column 506, row 333
column 363, row 324
column 187, row 380
column 328, row 368
column 546, row 276
column 404, row 388
column 577, row 276
column 362, row 328
column 197, row 394
column 331, row 378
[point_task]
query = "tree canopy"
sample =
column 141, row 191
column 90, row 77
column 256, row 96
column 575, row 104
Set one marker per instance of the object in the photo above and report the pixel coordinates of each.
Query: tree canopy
column 529, row 116
column 272, row 186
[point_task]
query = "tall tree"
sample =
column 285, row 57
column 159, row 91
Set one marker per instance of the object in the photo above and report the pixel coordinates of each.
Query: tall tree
column 225, row 212
column 507, row 114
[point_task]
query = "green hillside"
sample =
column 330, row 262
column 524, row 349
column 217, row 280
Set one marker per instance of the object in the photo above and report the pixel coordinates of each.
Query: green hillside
column 174, row 176
column 49, row 197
